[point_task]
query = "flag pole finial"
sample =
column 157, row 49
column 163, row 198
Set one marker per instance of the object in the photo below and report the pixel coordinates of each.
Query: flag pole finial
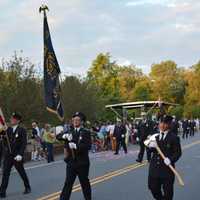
column 43, row 8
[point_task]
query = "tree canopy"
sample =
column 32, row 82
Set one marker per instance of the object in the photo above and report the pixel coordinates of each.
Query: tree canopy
column 106, row 82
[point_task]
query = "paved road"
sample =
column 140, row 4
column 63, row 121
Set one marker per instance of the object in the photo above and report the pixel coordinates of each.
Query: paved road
column 112, row 177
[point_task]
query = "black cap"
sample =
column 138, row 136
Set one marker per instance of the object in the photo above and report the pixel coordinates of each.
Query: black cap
column 81, row 115
column 167, row 119
column 17, row 116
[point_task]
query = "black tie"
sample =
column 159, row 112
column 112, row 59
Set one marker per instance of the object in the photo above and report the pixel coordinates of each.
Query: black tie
column 162, row 136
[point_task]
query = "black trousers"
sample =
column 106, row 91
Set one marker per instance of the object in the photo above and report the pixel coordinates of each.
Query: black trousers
column 185, row 133
column 121, row 142
column 162, row 188
column 8, row 163
column 141, row 152
column 191, row 132
column 72, row 172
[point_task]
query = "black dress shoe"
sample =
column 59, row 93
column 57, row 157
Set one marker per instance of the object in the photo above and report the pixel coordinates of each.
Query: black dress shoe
column 138, row 160
column 116, row 153
column 27, row 191
column 2, row 195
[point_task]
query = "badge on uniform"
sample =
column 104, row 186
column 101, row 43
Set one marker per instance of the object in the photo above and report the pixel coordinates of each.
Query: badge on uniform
column 122, row 136
column 168, row 145
column 80, row 138
column 17, row 135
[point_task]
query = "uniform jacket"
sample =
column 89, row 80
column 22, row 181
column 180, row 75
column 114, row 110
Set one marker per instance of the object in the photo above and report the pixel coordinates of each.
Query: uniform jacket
column 192, row 125
column 171, row 148
column 144, row 129
column 174, row 127
column 119, row 131
column 18, row 141
column 83, row 141
column 185, row 124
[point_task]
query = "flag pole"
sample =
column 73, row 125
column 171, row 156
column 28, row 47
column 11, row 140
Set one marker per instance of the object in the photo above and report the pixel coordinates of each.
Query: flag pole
column 51, row 72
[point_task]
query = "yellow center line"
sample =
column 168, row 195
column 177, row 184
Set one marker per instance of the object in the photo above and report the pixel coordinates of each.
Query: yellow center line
column 105, row 179
column 110, row 175
column 95, row 179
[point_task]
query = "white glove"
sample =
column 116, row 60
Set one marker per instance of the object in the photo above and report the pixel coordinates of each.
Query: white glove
column 18, row 158
column 152, row 144
column 72, row 145
column 67, row 137
column 167, row 161
column 135, row 130
column 64, row 136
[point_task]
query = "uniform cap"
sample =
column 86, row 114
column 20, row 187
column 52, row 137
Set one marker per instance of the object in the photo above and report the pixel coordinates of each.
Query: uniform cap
column 167, row 119
column 16, row 116
column 81, row 115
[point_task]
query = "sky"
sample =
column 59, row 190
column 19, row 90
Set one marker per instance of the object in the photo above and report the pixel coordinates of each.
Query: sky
column 139, row 32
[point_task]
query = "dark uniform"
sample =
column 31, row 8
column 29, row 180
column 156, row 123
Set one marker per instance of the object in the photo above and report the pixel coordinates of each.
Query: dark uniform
column 192, row 126
column 144, row 129
column 186, row 129
column 161, row 178
column 175, row 126
column 79, row 164
column 18, row 142
column 120, row 135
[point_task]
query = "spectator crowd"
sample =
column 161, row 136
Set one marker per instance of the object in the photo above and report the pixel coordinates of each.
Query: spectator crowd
column 106, row 135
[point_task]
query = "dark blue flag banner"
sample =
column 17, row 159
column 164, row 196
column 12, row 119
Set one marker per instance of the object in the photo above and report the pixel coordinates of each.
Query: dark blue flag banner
column 52, row 71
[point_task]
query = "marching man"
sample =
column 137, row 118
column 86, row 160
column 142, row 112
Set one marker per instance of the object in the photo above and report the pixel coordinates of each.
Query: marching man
column 14, row 146
column 77, row 146
column 161, row 178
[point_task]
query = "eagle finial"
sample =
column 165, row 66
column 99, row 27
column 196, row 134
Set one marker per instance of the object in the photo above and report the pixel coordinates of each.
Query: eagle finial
column 43, row 8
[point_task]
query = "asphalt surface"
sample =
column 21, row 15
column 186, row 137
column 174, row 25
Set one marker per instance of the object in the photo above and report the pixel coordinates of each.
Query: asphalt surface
column 112, row 177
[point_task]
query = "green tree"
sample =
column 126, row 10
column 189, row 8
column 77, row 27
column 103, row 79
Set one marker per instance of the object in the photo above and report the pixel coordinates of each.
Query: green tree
column 78, row 95
column 168, row 82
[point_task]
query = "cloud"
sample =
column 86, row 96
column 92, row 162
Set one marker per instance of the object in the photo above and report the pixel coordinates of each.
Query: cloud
column 124, row 62
column 187, row 27
column 148, row 2
column 142, row 32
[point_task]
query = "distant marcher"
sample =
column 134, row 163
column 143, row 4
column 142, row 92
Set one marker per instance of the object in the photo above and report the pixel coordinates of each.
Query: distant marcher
column 192, row 125
column 143, row 132
column 174, row 126
column 186, row 128
column 120, row 136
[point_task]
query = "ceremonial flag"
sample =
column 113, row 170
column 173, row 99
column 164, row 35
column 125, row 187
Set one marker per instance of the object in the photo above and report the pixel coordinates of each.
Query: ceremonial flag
column 3, row 127
column 52, row 71
column 2, row 120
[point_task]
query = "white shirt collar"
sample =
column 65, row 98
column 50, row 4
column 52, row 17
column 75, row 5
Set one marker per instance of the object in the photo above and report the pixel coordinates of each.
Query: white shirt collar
column 14, row 128
column 77, row 129
column 165, row 134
